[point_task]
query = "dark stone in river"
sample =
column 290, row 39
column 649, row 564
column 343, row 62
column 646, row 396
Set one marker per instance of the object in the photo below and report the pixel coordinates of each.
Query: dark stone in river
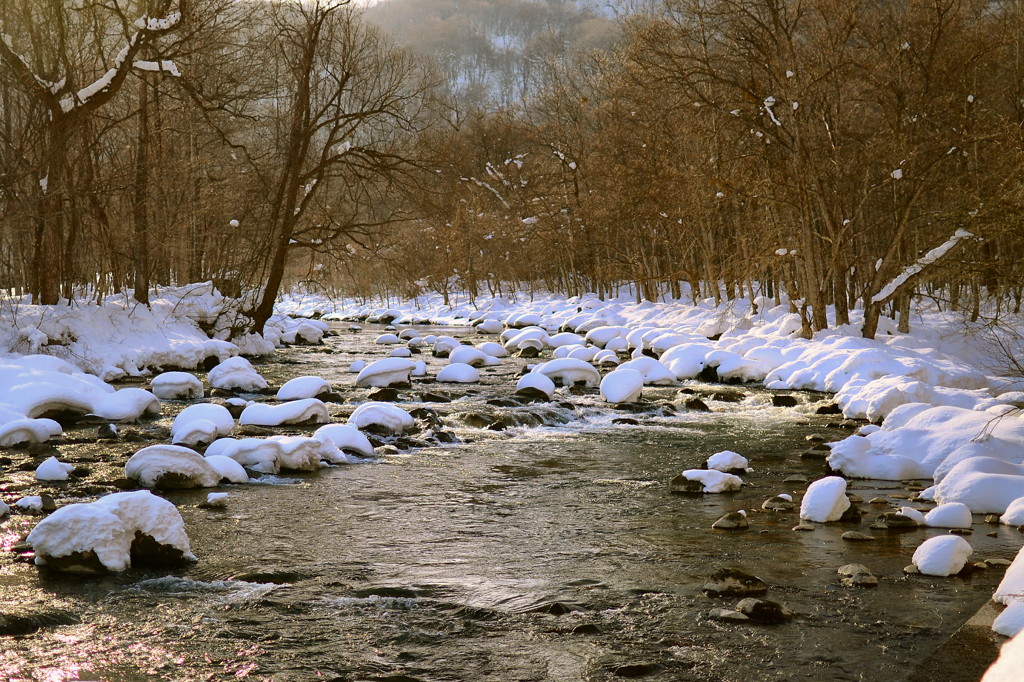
column 503, row 402
column 475, row 420
column 828, row 408
column 732, row 521
column 856, row 575
column 856, row 536
column 528, row 352
column 19, row 624
column 254, row 431
column 107, row 431
column 727, row 396
column 696, row 404
column 384, row 395
column 728, row 616
column 434, row 398
column 627, row 421
column 784, row 401
column 446, row 437
column 331, row 397
column 684, row 486
column 897, row 521
column 635, row 670
column 732, row 582
column 709, row 374
column 41, row 449
column 532, row 395
column 778, row 504
column 764, row 611
column 48, row 503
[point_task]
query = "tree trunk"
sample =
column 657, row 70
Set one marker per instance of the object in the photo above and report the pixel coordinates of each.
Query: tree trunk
column 140, row 204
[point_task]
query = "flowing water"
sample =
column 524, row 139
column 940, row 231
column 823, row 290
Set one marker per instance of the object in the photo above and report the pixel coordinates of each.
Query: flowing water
column 551, row 552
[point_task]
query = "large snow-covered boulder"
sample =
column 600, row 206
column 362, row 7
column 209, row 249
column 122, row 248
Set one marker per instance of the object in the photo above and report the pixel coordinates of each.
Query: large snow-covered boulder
column 490, row 326
column 19, row 431
column 298, row 453
column 304, row 411
column 201, row 423
column 495, row 350
column 303, row 387
column 622, row 386
column 569, row 371
column 654, row 372
column 236, row 374
column 706, row 481
column 385, row 372
column 536, row 381
column 943, row 555
column 170, row 466
column 949, row 515
column 468, row 355
column 261, row 455
column 458, row 373
column 228, row 469
column 825, row 500
column 385, row 416
column 346, row 438
column 685, row 361
column 177, row 386
column 113, row 533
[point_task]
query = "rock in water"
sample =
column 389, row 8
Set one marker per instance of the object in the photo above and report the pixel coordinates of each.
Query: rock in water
column 732, row 582
column 856, row 575
column 732, row 521
column 764, row 611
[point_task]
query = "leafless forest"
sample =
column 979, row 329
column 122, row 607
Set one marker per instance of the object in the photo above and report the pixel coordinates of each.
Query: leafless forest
column 840, row 152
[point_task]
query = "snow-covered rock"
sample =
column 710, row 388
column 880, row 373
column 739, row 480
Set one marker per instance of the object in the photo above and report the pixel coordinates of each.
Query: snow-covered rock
column 255, row 454
column 18, row 431
column 114, row 532
column 495, row 350
column 490, row 327
column 385, row 372
column 469, row 355
column 228, row 469
column 568, row 371
column 622, row 386
column 942, row 555
column 177, row 386
column 949, row 515
column 127, row 404
column 712, row 481
column 383, row 415
column 170, row 466
column 201, row 423
column 387, row 340
column 537, row 381
column 52, row 469
column 727, row 460
column 345, row 438
column 236, row 374
column 304, row 411
column 985, row 484
column 1007, row 667
column 825, row 500
column 458, row 373
column 303, row 387
column 654, row 373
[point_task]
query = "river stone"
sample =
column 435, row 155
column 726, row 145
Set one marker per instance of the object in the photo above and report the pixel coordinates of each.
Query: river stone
column 684, row 486
column 19, row 624
column 879, row 525
column 529, row 394
column 911, row 570
column 804, row 526
column 384, row 395
column 855, row 536
column 778, row 504
column 998, row 562
column 728, row 615
column 856, row 575
column 696, row 404
column 784, row 401
column 434, row 398
column 528, row 352
column 961, row 531
column 895, row 520
column 727, row 396
column 828, row 408
column 764, row 611
column 992, row 518
column 851, row 515
column 107, row 432
column 251, row 431
column 732, row 521
column 732, row 582
column 632, row 670
column 813, row 454
column 476, row 420
column 629, row 421
column 878, row 500
column 795, row 480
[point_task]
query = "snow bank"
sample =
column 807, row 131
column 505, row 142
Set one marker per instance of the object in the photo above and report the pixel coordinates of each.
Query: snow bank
column 1009, row 664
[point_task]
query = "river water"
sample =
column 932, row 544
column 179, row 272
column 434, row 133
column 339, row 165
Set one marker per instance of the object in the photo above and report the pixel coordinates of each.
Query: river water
column 550, row 552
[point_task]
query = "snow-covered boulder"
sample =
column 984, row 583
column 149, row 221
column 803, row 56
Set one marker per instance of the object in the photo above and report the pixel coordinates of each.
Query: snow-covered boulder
column 304, row 411
column 728, row 461
column 685, row 361
column 303, row 387
column 622, row 386
column 387, row 340
column 113, row 533
column 468, row 355
column 565, row 339
column 170, row 466
column 490, row 327
column 128, row 404
column 236, row 374
column 382, row 415
column 943, row 555
column 298, row 453
column 1014, row 514
column 52, row 469
column 654, row 373
column 949, row 515
column 228, row 469
column 825, row 500
column 345, row 438
column 495, row 350
column 458, row 373
column 19, row 431
column 177, row 386
column 357, row 366
column 201, row 423
column 705, row 480
column 261, row 455
column 568, row 372
column 537, row 381
column 384, row 373
column 584, row 353
column 601, row 336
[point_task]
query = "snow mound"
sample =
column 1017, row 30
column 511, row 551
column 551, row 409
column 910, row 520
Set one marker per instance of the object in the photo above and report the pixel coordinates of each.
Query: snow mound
column 304, row 411
column 170, row 466
column 468, row 355
column 177, row 386
column 536, row 381
column 458, row 373
column 569, row 371
column 52, row 469
column 943, row 555
column 622, row 386
column 201, row 423
column 713, row 481
column 825, row 500
column 117, row 531
column 654, row 372
column 949, row 515
column 345, row 437
column 1009, row 664
column 985, row 484
column 727, row 460
column 228, row 469
column 383, row 415
column 236, row 374
column 385, row 372
column 20, row 431
column 303, row 387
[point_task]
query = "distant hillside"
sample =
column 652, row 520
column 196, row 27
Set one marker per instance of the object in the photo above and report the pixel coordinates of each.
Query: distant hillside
column 490, row 49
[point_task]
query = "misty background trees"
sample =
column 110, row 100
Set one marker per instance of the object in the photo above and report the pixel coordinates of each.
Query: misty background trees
column 846, row 153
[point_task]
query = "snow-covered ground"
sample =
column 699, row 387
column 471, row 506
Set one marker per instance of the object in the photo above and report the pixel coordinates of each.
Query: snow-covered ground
column 937, row 401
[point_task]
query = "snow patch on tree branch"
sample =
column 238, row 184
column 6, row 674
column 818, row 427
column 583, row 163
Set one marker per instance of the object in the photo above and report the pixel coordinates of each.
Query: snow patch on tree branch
column 920, row 264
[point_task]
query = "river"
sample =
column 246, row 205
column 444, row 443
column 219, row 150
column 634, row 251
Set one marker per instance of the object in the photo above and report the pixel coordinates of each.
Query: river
column 551, row 552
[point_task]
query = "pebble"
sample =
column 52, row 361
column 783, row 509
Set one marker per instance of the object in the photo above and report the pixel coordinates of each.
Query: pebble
column 856, row 575
column 992, row 518
column 998, row 562
column 911, row 570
